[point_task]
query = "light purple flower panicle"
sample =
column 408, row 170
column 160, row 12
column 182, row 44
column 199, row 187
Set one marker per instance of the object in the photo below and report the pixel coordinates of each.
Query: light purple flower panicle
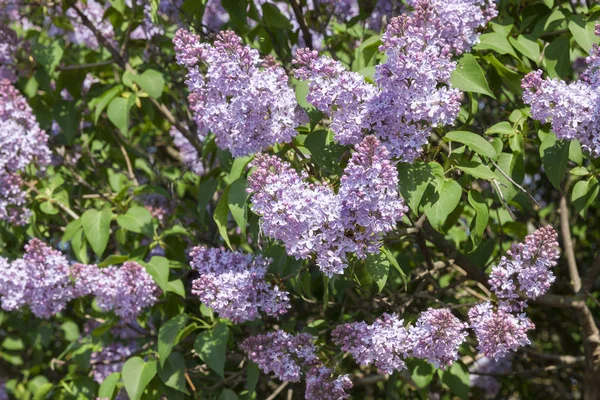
column 233, row 284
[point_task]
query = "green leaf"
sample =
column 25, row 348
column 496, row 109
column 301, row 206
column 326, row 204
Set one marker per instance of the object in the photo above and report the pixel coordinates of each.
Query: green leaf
column 273, row 18
column 221, row 215
column 205, row 192
column 137, row 374
column 113, row 259
column 575, row 153
column 481, row 218
column 441, row 203
column 176, row 286
column 65, row 114
column 108, row 386
column 237, row 198
column 118, row 114
column 48, row 207
column 211, row 346
column 118, row 5
column 527, row 46
column 503, row 128
column 583, row 195
column 252, row 374
column 457, row 379
column 167, row 335
column 228, row 394
column 555, row 157
column 496, row 42
column 557, row 58
column 474, row 142
column 80, row 247
column 394, row 262
column 101, row 102
column 469, row 77
column 583, row 32
column 96, row 226
column 137, row 219
column 237, row 168
column 421, row 372
column 158, row 268
column 413, row 181
column 151, row 81
column 325, row 152
column 513, row 166
column 378, row 266
column 476, row 169
column 48, row 56
column 173, row 372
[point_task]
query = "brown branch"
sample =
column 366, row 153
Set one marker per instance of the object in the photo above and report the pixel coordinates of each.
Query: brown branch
column 302, row 23
column 568, row 244
column 592, row 274
column 563, row 359
column 278, row 390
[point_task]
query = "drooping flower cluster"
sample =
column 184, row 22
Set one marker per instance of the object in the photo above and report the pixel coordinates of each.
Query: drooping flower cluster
column 40, row 280
column 22, row 143
column 386, row 343
column 189, row 154
column 312, row 219
column 126, row 290
column 321, row 384
column 282, row 353
column 412, row 91
column 233, row 284
column 8, row 48
column 499, row 331
column 287, row 356
column 524, row 273
column 225, row 80
column 485, row 365
column 81, row 34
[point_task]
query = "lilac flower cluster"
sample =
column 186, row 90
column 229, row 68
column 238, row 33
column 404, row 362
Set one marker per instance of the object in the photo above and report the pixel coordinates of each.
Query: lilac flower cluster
column 167, row 10
column 189, row 154
column 523, row 273
column 126, row 290
column 312, row 219
column 22, row 143
column 8, row 48
column 412, row 91
column 386, row 343
column 223, row 98
column 282, row 353
column 81, row 34
column 233, row 284
column 214, row 16
column 571, row 108
column 159, row 206
column 486, row 365
column 41, row 280
column 287, row 355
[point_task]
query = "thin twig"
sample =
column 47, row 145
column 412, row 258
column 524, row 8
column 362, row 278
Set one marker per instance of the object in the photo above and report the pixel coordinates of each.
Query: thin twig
column 278, row 390
column 302, row 23
column 86, row 66
column 592, row 274
column 129, row 167
column 517, row 185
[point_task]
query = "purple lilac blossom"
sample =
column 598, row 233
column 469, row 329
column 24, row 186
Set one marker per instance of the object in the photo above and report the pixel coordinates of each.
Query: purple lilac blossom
column 525, row 271
column 126, row 290
column 368, row 192
column 310, row 219
column 110, row 359
column 321, row 385
column 214, row 16
column 188, row 153
column 338, row 93
column 81, row 34
column 22, row 142
column 168, row 10
column 233, row 284
column 281, row 353
column 223, row 98
column 436, row 337
column 40, row 280
column 159, row 206
column 8, row 48
column 385, row 343
column 486, row 365
column 500, row 331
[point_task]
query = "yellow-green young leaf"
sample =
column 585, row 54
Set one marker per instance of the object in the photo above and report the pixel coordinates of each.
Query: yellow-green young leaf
column 211, row 346
column 158, row 268
column 527, row 46
column 555, row 157
column 137, row 374
column 221, row 215
column 137, row 219
column 167, row 335
column 96, row 226
column 482, row 216
column 107, row 388
column 441, row 203
column 474, row 142
column 237, row 198
column 151, row 81
column 583, row 32
column 118, row 5
column 118, row 113
column 583, row 195
column 100, row 103
column 469, row 77
column 497, row 42
column 503, row 128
